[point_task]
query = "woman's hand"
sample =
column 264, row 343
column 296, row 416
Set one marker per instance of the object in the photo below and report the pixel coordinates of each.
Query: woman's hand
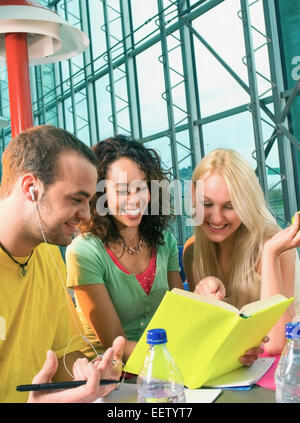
column 211, row 287
column 252, row 354
column 284, row 240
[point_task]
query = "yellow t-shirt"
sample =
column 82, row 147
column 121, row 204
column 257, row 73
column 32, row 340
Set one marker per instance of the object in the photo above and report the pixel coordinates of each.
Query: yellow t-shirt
column 38, row 317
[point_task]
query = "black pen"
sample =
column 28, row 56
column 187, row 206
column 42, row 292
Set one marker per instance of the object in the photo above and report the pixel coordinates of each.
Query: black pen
column 61, row 385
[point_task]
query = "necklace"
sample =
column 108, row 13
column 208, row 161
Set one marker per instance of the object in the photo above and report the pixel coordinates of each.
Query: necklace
column 133, row 250
column 22, row 265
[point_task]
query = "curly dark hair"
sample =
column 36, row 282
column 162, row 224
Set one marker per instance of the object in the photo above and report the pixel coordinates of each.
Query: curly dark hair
column 152, row 226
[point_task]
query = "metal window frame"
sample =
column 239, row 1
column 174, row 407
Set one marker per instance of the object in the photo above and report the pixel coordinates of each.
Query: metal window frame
column 84, row 81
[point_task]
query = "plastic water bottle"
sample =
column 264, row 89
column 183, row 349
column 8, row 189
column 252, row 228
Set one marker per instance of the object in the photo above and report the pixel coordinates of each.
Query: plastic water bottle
column 160, row 379
column 287, row 374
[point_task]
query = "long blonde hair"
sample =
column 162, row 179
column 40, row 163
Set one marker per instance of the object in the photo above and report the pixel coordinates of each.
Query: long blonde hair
column 247, row 198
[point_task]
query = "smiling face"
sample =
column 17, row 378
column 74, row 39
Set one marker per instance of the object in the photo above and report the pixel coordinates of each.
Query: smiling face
column 220, row 220
column 127, row 192
column 66, row 202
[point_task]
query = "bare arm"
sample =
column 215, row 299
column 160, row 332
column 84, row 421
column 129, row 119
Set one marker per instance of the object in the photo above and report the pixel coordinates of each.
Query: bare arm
column 100, row 312
column 188, row 265
column 174, row 280
column 278, row 276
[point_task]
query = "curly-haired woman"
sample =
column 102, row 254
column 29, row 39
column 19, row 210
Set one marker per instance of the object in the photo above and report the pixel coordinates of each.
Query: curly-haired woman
column 124, row 260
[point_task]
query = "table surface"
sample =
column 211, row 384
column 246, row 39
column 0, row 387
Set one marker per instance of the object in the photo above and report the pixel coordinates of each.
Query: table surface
column 255, row 395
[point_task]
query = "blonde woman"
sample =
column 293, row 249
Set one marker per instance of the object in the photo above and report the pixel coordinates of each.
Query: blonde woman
column 239, row 254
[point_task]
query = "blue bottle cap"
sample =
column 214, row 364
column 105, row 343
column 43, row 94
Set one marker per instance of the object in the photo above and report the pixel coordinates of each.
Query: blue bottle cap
column 156, row 336
column 292, row 330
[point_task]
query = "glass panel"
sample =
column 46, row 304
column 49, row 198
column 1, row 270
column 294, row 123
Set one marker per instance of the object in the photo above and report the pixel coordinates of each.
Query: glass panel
column 81, row 116
column 185, row 174
column 104, row 108
column 289, row 23
column 260, row 46
column 236, row 132
column 233, row 132
column 177, row 79
column 4, row 96
column 49, row 94
column 69, row 115
column 162, row 146
column 48, row 82
column 274, row 177
column 143, row 26
column 69, row 10
column 222, row 29
column 98, row 42
column 65, row 75
column 151, row 87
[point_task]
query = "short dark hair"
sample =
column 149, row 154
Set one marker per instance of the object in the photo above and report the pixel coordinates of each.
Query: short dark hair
column 148, row 160
column 36, row 150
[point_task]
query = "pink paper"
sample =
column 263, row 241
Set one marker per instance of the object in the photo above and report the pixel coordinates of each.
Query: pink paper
column 267, row 381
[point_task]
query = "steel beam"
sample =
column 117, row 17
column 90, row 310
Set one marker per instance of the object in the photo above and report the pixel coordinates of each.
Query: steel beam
column 131, row 71
column 191, row 90
column 284, row 145
column 254, row 96
column 170, row 113
column 88, row 72
column 110, row 69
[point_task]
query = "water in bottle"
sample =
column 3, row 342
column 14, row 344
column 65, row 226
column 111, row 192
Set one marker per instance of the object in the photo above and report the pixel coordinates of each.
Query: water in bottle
column 160, row 379
column 287, row 374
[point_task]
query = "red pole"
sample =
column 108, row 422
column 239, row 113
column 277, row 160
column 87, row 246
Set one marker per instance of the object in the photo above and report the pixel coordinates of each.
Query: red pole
column 15, row 3
column 18, row 82
column 18, row 76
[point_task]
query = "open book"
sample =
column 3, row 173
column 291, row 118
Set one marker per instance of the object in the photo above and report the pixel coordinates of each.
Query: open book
column 206, row 337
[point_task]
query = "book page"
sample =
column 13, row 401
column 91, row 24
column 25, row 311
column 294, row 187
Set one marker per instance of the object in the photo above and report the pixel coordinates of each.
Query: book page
column 256, row 306
column 203, row 299
column 244, row 375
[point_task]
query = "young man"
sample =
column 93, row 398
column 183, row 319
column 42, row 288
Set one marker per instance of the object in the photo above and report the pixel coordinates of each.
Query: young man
column 48, row 179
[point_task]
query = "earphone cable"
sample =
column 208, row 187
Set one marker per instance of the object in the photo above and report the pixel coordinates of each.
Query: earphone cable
column 68, row 298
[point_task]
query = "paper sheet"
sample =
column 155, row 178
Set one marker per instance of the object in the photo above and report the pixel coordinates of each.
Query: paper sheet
column 267, row 381
column 244, row 376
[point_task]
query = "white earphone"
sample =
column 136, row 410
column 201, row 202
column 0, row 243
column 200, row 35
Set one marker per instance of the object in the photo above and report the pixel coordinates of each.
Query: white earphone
column 32, row 193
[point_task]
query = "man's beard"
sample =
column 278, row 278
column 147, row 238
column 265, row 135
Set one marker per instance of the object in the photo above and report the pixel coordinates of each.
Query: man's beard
column 42, row 232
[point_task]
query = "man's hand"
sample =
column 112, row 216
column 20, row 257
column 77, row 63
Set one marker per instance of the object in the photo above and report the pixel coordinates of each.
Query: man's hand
column 83, row 370
column 110, row 370
column 211, row 287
